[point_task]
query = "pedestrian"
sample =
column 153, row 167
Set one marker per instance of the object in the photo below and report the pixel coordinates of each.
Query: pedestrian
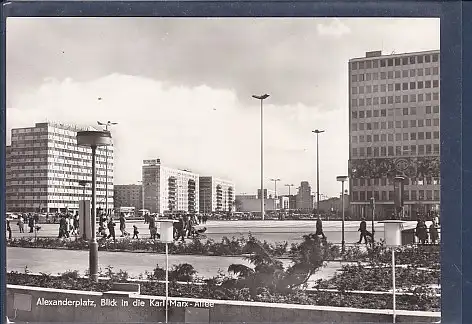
column 319, row 228
column 421, row 232
column 123, row 225
column 200, row 219
column 364, row 232
column 76, row 223
column 21, row 224
column 152, row 227
column 9, row 229
column 433, row 232
column 111, row 229
column 62, row 227
column 102, row 231
column 135, row 232
column 31, row 223
column 180, row 228
column 47, row 218
column 205, row 218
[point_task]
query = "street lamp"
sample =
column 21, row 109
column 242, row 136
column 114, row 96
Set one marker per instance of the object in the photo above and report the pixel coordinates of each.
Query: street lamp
column 83, row 184
column 261, row 98
column 93, row 139
column 275, row 186
column 107, row 124
column 342, row 179
column 317, row 132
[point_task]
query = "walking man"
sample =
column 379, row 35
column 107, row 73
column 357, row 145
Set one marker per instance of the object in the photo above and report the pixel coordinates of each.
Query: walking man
column 9, row 229
column 123, row 225
column 135, row 232
column 319, row 228
column 111, row 229
column 364, row 232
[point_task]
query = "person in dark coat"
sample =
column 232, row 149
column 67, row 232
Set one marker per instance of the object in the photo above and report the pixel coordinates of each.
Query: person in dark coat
column 135, row 232
column 180, row 228
column 9, row 229
column 433, row 232
column 319, row 228
column 123, row 225
column 31, row 223
column 364, row 232
column 421, row 232
column 111, row 229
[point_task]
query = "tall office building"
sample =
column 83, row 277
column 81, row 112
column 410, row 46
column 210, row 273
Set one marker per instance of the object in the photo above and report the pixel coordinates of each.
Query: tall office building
column 304, row 197
column 128, row 196
column 45, row 165
column 394, row 131
column 216, row 195
column 168, row 189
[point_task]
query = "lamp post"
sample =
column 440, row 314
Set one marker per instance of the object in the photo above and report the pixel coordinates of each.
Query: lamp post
column 342, row 179
column 107, row 124
column 372, row 204
column 261, row 98
column 275, row 186
column 317, row 132
column 83, row 184
column 93, row 139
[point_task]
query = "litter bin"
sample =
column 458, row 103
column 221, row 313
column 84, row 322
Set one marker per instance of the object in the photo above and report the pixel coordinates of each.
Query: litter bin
column 408, row 236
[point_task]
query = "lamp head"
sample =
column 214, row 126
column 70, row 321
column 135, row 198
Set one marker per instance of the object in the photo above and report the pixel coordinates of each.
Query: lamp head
column 341, row 178
column 317, row 131
column 262, row 97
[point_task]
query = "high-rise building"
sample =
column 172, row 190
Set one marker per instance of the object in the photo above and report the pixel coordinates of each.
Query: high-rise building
column 45, row 165
column 128, row 196
column 304, row 197
column 216, row 195
column 168, row 189
column 394, row 131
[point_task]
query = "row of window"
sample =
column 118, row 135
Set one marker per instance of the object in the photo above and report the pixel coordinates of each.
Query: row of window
column 390, row 100
column 411, row 195
column 389, row 181
column 405, row 150
column 398, row 137
column 398, row 124
column 390, row 75
column 398, row 61
column 395, row 87
column 398, row 111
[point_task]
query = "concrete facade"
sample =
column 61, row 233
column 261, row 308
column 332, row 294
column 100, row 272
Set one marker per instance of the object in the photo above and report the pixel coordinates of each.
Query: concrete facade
column 216, row 195
column 128, row 196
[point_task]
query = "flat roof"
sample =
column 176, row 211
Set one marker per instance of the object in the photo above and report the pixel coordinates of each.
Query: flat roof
column 395, row 55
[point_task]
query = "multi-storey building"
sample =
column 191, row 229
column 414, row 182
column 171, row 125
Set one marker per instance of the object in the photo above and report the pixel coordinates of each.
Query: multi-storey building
column 128, row 196
column 394, row 131
column 169, row 190
column 304, row 197
column 268, row 194
column 45, row 168
column 216, row 195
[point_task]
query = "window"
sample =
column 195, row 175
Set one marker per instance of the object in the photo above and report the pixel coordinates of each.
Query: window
column 368, row 76
column 354, row 90
column 361, row 114
column 376, row 151
column 436, row 148
column 413, row 98
column 383, row 88
column 398, row 150
column 398, row 99
column 428, row 122
column 375, row 88
column 419, row 59
column 361, row 65
column 361, row 89
column 404, row 85
column 436, row 96
column 420, row 97
column 398, row 74
column 427, row 71
column 369, row 151
column 376, row 113
column 412, row 85
column 413, row 136
column 398, row 124
column 368, row 89
column 435, row 70
column 354, row 102
column 361, row 126
column 368, row 113
column 421, row 136
column 391, row 111
column 397, row 62
column 368, row 126
column 405, row 98
column 382, row 63
column 398, row 137
column 405, row 73
column 420, row 84
column 390, row 87
column 361, row 139
column 436, row 109
column 383, row 112
column 419, row 72
column 390, row 137
column 405, row 124
column 405, row 111
column 420, row 123
column 354, row 127
column 383, row 151
column 435, row 83
column 428, row 109
column 383, row 100
column 390, row 62
column 436, row 135
column 354, row 78
column 428, row 97
column 375, row 64
column 405, row 136
column 428, row 148
column 376, row 100
column 413, row 149
column 354, row 152
column 384, row 196
column 405, row 61
column 413, row 111
column 390, row 99
column 353, row 65
column 427, row 84
column 427, row 58
column 368, row 64
column 362, row 195
column 436, row 122
column 413, row 123
column 368, row 101
column 362, row 151
column 421, row 149
column 375, row 125
column 412, row 59
column 412, row 73
column 413, row 194
column 383, row 75
column 390, row 151
column 376, row 138
column 361, row 77
column 390, row 75
column 427, row 135
column 398, row 86
column 361, row 102
column 375, row 76
column 354, row 139
column 383, row 125
column 390, row 124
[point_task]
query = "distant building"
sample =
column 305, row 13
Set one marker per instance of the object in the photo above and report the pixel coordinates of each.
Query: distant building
column 254, row 205
column 267, row 193
column 168, row 189
column 284, row 202
column 44, row 167
column 216, row 195
column 128, row 196
column 334, row 204
column 304, row 198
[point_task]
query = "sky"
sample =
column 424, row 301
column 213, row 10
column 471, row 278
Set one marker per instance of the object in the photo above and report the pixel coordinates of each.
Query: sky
column 180, row 88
